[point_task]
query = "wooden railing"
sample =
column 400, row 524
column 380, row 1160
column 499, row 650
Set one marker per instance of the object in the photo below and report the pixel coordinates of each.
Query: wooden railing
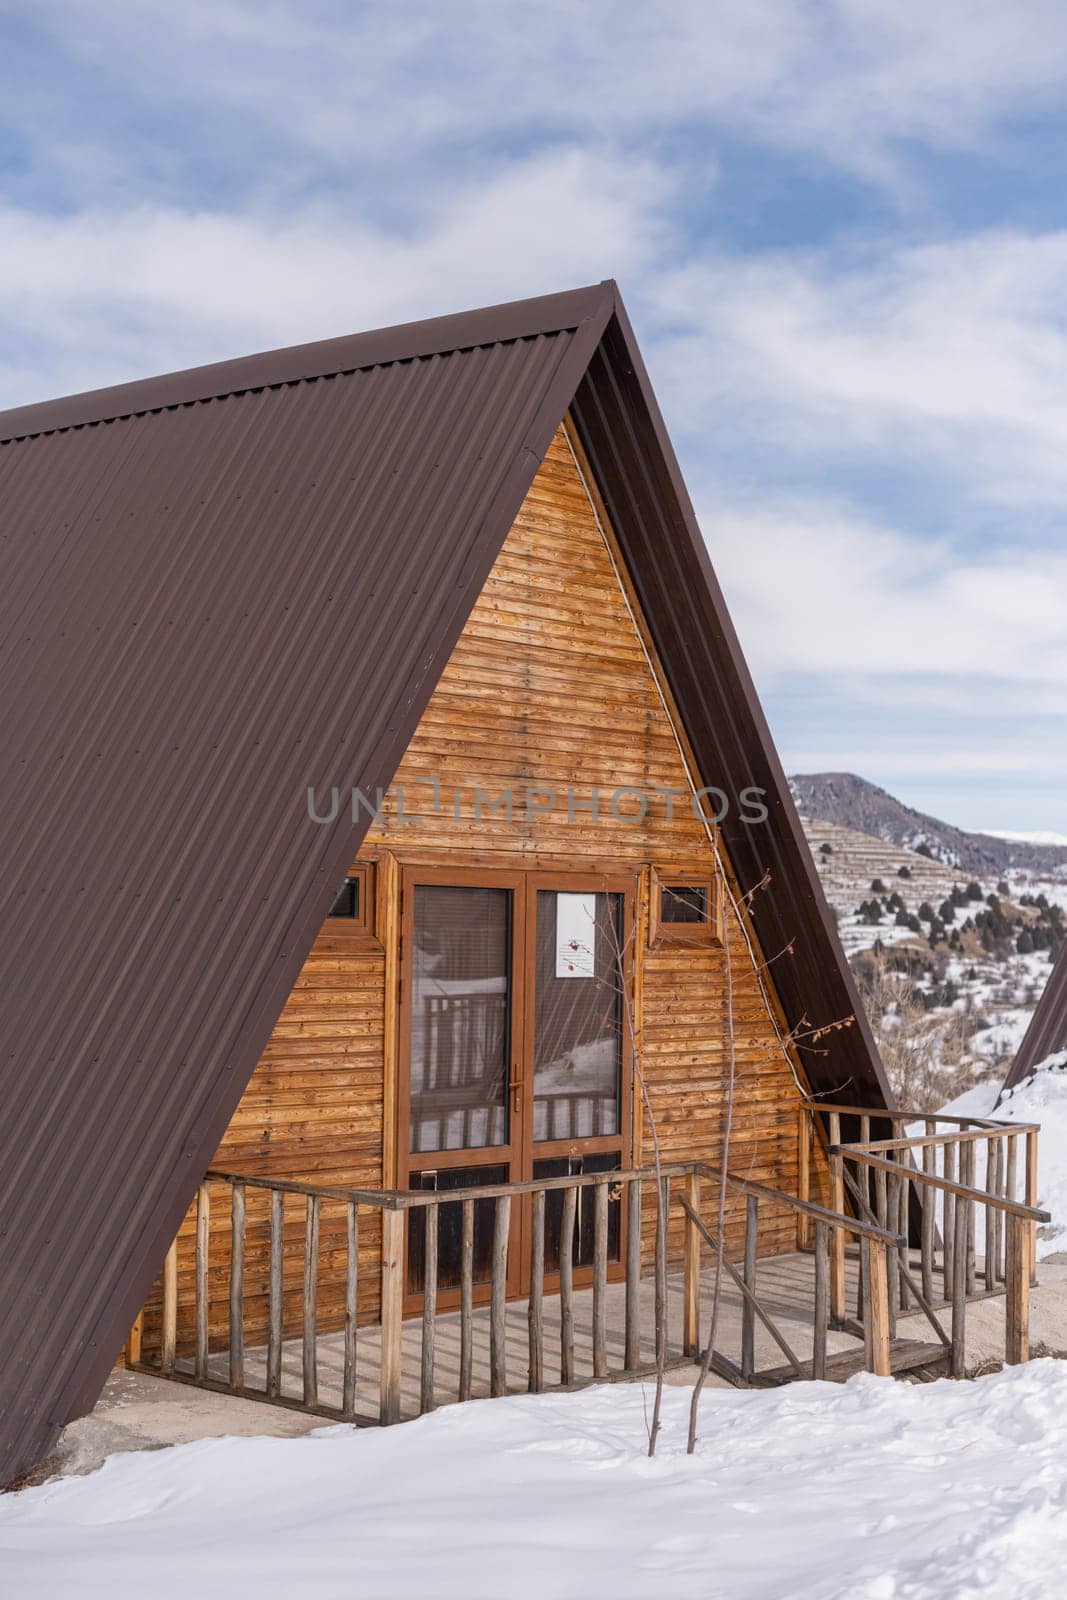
column 927, row 1185
column 392, row 1367
column 831, row 1229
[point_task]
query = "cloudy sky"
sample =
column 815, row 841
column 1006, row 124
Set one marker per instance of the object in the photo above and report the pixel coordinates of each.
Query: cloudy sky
column 841, row 230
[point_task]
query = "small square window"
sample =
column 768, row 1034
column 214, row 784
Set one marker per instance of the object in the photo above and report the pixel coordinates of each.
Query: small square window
column 683, row 902
column 347, row 902
column 353, row 903
column 686, row 911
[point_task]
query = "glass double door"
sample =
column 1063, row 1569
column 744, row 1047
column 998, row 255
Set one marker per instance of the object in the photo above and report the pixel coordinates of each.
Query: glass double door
column 514, row 1050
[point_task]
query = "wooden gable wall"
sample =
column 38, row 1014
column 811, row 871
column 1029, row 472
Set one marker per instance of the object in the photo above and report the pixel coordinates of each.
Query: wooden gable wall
column 549, row 685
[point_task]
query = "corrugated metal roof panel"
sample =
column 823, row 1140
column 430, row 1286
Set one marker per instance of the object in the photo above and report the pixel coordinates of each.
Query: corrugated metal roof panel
column 1047, row 1033
column 208, row 610
column 225, row 586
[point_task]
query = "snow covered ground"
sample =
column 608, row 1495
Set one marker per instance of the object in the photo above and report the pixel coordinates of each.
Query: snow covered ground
column 877, row 1490
column 873, row 1490
column 1043, row 1099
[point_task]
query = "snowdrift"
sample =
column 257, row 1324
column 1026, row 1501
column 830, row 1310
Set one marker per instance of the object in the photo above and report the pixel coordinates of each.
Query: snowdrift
column 1042, row 1098
column 870, row 1490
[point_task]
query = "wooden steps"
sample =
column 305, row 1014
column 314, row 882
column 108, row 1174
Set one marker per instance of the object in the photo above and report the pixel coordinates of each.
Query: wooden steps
column 905, row 1355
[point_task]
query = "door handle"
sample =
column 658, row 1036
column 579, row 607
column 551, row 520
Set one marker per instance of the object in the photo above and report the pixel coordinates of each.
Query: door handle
column 516, row 1095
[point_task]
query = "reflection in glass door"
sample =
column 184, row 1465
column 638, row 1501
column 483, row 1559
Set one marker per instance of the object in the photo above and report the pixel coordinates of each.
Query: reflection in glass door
column 580, row 1050
column 577, row 1015
column 460, row 1017
column 458, row 1030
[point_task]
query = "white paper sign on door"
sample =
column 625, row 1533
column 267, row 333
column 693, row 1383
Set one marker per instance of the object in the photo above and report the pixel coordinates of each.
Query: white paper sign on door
column 575, row 935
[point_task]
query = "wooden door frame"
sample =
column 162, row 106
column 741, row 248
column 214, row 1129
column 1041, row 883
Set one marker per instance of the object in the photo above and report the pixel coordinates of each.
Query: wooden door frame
column 521, row 1151
column 410, row 877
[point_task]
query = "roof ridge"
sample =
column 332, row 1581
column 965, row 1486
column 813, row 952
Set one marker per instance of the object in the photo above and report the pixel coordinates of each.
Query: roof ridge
column 321, row 358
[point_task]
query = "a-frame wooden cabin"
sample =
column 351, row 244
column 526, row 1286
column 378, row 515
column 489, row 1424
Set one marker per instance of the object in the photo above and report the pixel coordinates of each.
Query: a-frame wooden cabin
column 449, row 569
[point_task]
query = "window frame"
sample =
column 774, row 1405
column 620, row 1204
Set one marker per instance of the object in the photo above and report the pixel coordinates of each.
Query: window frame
column 362, row 874
column 703, row 934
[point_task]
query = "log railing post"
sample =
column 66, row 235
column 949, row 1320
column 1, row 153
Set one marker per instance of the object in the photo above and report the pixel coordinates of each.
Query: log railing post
column 274, row 1293
column 837, row 1239
column 863, row 1173
column 309, row 1325
column 429, row 1308
column 237, row 1286
column 804, row 1133
column 948, row 1256
column 203, row 1238
column 663, row 1202
column 887, row 1218
column 1017, row 1271
column 992, row 1215
column 875, row 1276
column 133, row 1340
column 1031, row 1196
column 878, row 1307
column 691, row 1273
column 600, row 1278
column 498, row 1291
column 535, row 1310
column 392, row 1316
column 633, row 1276
column 748, row 1314
column 903, row 1227
column 959, row 1289
column 466, row 1300
column 967, row 1166
column 348, row 1379
column 822, row 1301
column 929, row 1220
column 566, row 1286
column 169, row 1335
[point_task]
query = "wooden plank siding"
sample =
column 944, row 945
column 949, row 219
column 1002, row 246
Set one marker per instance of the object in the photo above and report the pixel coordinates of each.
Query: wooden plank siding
column 548, row 686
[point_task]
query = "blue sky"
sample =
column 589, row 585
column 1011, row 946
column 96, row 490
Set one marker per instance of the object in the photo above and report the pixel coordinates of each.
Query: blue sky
column 841, row 230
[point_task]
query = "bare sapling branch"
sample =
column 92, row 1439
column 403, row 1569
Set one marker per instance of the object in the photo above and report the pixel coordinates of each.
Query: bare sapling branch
column 720, row 1210
column 619, row 950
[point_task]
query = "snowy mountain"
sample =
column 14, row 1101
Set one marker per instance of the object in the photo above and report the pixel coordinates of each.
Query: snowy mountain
column 950, row 963
column 852, row 802
column 1042, row 836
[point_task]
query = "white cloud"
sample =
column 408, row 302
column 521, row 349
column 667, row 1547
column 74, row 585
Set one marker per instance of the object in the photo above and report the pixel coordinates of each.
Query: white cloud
column 818, row 588
column 200, row 180
column 849, row 80
column 933, row 670
column 112, row 295
column 951, row 355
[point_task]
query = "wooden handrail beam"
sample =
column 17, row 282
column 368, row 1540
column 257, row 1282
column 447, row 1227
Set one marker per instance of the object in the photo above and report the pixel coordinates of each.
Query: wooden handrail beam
column 970, row 1136
column 836, row 1219
column 885, row 1114
column 963, row 1191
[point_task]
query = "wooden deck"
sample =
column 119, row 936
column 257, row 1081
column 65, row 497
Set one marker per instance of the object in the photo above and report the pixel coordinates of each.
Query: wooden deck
column 785, row 1287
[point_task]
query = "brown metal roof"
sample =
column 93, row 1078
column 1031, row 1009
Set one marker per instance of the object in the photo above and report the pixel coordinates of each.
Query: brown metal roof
column 1047, row 1033
column 224, row 586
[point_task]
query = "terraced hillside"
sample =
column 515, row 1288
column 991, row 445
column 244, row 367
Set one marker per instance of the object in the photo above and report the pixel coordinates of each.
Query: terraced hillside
column 950, row 966
column 851, row 863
